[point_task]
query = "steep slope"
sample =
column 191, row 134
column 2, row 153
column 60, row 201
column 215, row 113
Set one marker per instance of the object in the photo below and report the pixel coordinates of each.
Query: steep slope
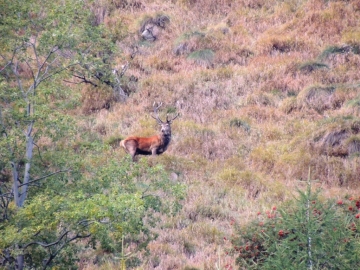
column 265, row 89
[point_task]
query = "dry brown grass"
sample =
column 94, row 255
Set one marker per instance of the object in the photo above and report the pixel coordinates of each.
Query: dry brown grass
column 96, row 98
column 253, row 120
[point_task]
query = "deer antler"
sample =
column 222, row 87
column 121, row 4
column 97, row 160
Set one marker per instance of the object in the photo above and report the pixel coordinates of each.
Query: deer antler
column 156, row 113
column 169, row 121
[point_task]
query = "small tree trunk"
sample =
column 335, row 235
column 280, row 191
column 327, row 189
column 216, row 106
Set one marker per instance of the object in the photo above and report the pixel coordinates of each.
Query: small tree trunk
column 15, row 176
column 19, row 262
column 119, row 93
column 29, row 153
column 20, row 192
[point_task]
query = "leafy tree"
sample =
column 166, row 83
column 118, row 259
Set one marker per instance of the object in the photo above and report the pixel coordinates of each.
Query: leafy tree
column 34, row 37
column 50, row 196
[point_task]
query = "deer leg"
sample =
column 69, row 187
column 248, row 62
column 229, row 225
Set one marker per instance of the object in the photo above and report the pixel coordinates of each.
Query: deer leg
column 153, row 152
column 131, row 147
column 132, row 152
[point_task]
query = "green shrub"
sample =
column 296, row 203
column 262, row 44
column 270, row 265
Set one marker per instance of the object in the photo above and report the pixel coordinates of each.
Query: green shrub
column 203, row 57
column 354, row 103
column 337, row 50
column 191, row 268
column 113, row 140
column 311, row 66
column 307, row 233
column 317, row 97
column 189, row 249
column 236, row 122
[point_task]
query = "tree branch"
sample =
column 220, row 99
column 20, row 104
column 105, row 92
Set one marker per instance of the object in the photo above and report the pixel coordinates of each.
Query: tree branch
column 14, row 70
column 53, row 255
column 53, row 50
column 57, row 72
column 10, row 62
column 31, row 70
column 43, row 177
column 38, row 148
column 45, row 245
column 5, row 195
column 84, row 80
column 48, row 245
column 4, row 67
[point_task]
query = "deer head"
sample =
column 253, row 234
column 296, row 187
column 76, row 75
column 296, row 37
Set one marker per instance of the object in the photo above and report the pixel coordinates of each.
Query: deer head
column 165, row 126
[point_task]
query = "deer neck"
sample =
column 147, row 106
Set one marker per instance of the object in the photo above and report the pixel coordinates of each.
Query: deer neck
column 166, row 138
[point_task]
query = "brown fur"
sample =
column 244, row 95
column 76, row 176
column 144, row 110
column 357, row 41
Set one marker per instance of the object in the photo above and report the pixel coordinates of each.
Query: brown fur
column 154, row 145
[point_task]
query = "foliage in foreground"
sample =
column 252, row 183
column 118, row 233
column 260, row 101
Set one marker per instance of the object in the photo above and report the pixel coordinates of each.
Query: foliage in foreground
column 308, row 233
column 121, row 201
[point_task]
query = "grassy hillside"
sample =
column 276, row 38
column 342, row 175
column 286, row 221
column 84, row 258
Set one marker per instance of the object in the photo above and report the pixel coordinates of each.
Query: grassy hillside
column 266, row 91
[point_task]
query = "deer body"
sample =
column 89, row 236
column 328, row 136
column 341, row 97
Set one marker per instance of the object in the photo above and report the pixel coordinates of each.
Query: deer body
column 154, row 145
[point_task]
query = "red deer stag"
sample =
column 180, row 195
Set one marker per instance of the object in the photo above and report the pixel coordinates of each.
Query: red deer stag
column 154, row 145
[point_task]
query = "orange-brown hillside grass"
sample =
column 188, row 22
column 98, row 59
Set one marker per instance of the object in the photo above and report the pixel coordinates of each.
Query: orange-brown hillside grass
column 265, row 91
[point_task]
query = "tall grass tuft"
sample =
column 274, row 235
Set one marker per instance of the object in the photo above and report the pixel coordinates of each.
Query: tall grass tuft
column 202, row 57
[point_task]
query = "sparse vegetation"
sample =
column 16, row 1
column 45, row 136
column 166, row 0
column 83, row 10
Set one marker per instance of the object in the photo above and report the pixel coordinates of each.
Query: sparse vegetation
column 265, row 91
